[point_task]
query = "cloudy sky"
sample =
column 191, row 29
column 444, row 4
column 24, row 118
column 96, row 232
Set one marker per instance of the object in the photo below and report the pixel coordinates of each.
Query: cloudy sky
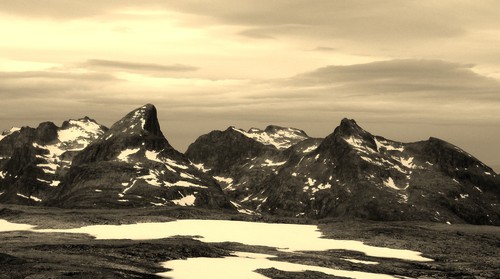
column 406, row 70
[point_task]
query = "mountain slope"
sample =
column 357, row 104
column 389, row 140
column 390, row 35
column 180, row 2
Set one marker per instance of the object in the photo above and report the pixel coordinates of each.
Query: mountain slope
column 131, row 165
column 353, row 173
column 241, row 160
column 34, row 160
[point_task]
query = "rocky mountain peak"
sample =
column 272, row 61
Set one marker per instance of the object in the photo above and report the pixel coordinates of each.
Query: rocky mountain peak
column 142, row 119
column 138, row 129
column 347, row 136
column 8, row 132
column 46, row 132
column 274, row 129
column 79, row 122
column 349, row 127
column 132, row 164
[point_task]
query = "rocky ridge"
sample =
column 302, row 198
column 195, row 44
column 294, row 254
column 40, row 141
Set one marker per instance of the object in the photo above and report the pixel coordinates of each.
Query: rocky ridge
column 354, row 173
column 282, row 171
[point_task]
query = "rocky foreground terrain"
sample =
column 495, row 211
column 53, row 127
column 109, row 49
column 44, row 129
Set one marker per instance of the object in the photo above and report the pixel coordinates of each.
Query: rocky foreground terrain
column 459, row 250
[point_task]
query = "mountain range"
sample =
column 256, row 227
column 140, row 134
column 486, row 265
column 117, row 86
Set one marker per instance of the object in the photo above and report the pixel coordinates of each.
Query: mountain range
column 280, row 171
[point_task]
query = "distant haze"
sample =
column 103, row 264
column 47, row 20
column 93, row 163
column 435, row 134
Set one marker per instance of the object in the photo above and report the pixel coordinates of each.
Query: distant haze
column 405, row 70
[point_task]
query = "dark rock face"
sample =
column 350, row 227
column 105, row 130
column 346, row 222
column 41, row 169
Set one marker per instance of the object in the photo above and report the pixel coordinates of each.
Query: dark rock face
column 220, row 150
column 46, row 132
column 132, row 164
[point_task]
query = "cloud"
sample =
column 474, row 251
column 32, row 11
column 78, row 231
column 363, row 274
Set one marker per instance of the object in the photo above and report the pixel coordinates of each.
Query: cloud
column 409, row 78
column 380, row 19
column 58, row 9
column 372, row 20
column 138, row 67
column 256, row 34
column 323, row 48
column 92, row 76
column 50, row 84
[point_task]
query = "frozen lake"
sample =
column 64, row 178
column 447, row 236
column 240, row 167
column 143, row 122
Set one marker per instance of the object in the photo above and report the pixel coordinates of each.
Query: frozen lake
column 285, row 237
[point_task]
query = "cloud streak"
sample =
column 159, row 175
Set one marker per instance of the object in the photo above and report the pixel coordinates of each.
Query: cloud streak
column 138, row 67
column 410, row 77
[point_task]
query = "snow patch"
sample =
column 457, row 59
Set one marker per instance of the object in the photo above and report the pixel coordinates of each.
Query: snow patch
column 358, row 145
column 30, row 197
column 123, row 156
column 201, row 167
column 152, row 156
column 387, row 145
column 188, row 176
column 281, row 139
column 360, row 261
column 151, row 178
column 389, row 182
column 182, row 183
column 243, row 265
column 226, row 180
column 324, row 186
column 310, row 149
column 187, row 200
column 408, row 162
column 79, row 134
column 310, row 181
column 6, row 226
column 269, row 163
column 176, row 164
column 369, row 160
column 242, row 210
column 55, row 183
column 281, row 236
column 139, row 115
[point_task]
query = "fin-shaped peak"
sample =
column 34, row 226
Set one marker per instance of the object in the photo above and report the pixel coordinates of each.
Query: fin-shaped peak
column 141, row 119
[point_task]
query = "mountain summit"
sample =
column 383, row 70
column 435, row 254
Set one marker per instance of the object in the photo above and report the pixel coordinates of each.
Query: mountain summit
column 132, row 164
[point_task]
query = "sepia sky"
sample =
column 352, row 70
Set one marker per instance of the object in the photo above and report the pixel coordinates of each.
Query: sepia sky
column 406, row 70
